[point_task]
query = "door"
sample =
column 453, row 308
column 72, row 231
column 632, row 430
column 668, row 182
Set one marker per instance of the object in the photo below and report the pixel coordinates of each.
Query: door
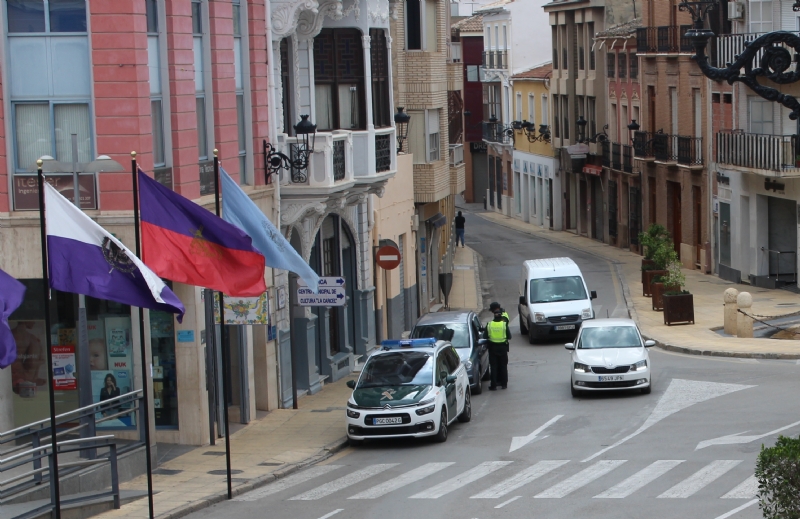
column 483, row 351
column 598, row 231
column 491, row 163
column 550, row 203
column 782, row 237
column 583, row 207
column 449, row 387
column 744, row 236
column 725, row 234
column 498, row 174
column 674, row 215
column 696, row 221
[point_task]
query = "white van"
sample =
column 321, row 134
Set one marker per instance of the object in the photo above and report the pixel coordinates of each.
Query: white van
column 553, row 300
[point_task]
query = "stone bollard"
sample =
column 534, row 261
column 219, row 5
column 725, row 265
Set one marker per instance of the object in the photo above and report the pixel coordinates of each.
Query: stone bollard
column 744, row 323
column 731, row 311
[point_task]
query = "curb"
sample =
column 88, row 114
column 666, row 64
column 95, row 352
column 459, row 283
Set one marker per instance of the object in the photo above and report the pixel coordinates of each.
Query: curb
column 632, row 310
column 324, row 453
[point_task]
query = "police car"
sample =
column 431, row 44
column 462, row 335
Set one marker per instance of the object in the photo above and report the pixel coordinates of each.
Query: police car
column 409, row 388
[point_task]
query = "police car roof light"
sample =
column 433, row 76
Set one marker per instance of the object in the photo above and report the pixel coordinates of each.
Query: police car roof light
column 408, row 343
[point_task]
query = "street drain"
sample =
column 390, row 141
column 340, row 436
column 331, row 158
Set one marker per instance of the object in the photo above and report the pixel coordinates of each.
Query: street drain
column 223, row 472
column 166, row 472
column 270, row 464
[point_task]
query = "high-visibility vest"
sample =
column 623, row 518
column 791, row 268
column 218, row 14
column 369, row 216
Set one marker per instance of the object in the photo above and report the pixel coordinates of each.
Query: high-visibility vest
column 505, row 315
column 496, row 331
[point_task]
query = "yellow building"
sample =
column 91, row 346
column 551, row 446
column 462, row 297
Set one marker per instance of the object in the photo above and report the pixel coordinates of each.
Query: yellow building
column 536, row 174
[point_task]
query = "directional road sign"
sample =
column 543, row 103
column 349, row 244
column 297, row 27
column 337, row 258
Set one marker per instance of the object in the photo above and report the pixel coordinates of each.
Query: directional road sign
column 327, row 296
column 328, row 281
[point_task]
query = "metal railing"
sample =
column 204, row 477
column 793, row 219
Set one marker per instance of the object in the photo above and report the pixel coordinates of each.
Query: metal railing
column 26, row 448
column 494, row 59
column 728, row 46
column 642, row 144
column 778, row 253
column 339, row 160
column 664, row 39
column 756, row 151
column 665, row 147
column 627, row 158
column 383, row 152
column 497, row 132
column 605, row 147
column 690, row 150
column 456, row 154
column 616, row 156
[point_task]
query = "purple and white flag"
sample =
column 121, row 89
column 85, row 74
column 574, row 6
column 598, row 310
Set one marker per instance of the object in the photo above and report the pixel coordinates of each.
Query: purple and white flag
column 11, row 294
column 86, row 259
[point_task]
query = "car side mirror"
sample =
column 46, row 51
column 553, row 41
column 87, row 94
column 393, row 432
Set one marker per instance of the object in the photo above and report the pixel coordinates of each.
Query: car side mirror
column 649, row 344
column 481, row 342
column 450, row 379
column 351, row 384
column 522, row 300
column 594, row 294
column 570, row 346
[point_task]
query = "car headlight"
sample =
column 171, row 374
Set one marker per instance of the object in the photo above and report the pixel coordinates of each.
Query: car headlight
column 468, row 364
column 539, row 317
column 426, row 410
column 352, row 405
column 582, row 368
column 353, row 414
column 639, row 366
column 427, row 401
column 586, row 313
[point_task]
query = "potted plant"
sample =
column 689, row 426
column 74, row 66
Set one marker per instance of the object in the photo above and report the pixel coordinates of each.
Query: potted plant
column 649, row 242
column 663, row 255
column 678, row 304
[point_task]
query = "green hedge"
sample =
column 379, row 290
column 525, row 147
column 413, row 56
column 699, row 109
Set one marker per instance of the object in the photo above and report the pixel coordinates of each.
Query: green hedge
column 778, row 473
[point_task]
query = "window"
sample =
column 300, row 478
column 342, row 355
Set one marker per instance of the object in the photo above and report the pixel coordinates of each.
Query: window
column 532, row 108
column 545, row 111
column 430, row 25
column 591, row 115
column 556, row 122
column 47, row 128
column 379, row 54
column 473, row 74
column 154, row 69
column 590, row 27
column 31, row 16
column 339, row 76
column 565, row 115
column 413, row 25
column 199, row 82
column 416, row 136
column 519, row 107
column 634, row 65
column 610, row 62
column 761, row 116
column 202, row 137
column 151, row 9
column 622, row 65
column 760, row 15
column 673, row 101
column 555, row 48
column 240, row 60
column 581, row 56
column 433, row 135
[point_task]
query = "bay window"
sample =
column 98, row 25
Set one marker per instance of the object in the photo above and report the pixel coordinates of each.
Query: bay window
column 339, row 80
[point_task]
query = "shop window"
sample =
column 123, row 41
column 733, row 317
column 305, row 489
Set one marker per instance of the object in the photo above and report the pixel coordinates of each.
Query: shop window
column 165, row 376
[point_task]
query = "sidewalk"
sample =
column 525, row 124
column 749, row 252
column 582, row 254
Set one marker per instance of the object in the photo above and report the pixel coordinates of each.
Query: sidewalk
column 697, row 339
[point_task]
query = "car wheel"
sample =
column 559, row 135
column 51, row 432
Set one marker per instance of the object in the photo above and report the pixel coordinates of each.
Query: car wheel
column 466, row 414
column 478, row 389
column 531, row 337
column 355, row 443
column 575, row 392
column 648, row 389
column 522, row 328
column 441, row 436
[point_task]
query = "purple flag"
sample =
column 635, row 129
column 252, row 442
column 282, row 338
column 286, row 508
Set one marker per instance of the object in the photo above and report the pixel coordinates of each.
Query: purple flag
column 11, row 294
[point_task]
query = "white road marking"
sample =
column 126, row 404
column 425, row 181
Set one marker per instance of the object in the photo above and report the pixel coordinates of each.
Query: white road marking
column 738, row 509
column 746, row 490
column 402, row 480
column 581, row 479
column 331, row 514
column 700, row 479
column 504, row 503
column 751, row 361
column 518, row 480
column 343, row 482
column 287, row 482
column 474, row 474
column 518, row 442
column 640, row 479
column 737, row 438
column 679, row 395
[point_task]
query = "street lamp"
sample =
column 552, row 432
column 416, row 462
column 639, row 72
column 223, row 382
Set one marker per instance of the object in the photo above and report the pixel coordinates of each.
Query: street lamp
column 401, row 120
column 597, row 137
column 300, row 153
column 530, row 131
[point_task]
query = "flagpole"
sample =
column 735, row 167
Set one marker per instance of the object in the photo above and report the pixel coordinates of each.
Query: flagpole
column 55, row 492
column 225, row 353
column 142, row 347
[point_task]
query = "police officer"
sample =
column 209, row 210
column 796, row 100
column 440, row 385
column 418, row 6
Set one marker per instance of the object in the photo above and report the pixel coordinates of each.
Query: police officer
column 498, row 334
column 495, row 307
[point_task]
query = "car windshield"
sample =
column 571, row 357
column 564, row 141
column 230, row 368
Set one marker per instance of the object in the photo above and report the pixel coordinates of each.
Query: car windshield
column 402, row 368
column 456, row 333
column 609, row 337
column 551, row 290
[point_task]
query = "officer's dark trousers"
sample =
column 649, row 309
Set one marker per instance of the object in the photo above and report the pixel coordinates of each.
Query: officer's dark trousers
column 498, row 365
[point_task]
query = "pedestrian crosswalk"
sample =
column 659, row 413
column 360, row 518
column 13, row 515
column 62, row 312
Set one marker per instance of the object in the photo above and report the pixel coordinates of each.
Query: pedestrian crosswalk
column 545, row 479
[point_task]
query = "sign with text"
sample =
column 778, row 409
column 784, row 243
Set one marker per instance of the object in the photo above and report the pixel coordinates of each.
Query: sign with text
column 326, row 296
column 388, row 257
column 328, row 281
column 26, row 190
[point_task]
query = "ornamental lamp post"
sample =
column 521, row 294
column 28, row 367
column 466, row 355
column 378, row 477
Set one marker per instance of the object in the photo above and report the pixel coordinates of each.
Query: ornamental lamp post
column 274, row 160
column 401, row 120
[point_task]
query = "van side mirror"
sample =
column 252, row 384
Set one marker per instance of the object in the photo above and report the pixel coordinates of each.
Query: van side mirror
column 594, row 294
column 570, row 346
column 351, row 384
column 450, row 379
column 522, row 300
column 481, row 342
column 649, row 343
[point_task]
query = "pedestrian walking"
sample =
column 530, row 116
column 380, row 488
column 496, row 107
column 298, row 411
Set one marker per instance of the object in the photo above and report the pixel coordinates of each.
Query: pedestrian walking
column 498, row 333
column 495, row 306
column 460, row 229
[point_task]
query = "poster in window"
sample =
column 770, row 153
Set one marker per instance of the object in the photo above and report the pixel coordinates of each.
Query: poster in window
column 98, row 353
column 118, row 342
column 29, row 371
column 105, row 386
column 64, row 368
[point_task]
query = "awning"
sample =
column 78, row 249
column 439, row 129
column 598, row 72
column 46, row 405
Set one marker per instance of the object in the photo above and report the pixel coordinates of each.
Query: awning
column 591, row 169
column 437, row 220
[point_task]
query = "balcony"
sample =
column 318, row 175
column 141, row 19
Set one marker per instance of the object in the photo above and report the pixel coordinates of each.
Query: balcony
column 618, row 157
column 690, row 150
column 665, row 39
column 643, row 145
column 765, row 155
column 456, row 154
column 494, row 59
column 330, row 166
column 454, row 51
column 377, row 154
column 457, row 169
column 671, row 149
column 728, row 46
column 498, row 132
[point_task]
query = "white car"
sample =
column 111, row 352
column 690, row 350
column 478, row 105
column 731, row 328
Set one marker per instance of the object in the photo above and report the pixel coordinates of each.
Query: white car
column 609, row 354
column 410, row 388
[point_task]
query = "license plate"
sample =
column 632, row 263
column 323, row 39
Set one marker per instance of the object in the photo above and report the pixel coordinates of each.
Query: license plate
column 387, row 421
column 611, row 378
column 565, row 327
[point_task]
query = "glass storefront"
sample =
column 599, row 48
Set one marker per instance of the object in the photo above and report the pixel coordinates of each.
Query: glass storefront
column 165, row 377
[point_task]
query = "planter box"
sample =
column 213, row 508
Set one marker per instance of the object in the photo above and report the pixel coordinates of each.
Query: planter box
column 658, row 290
column 648, row 276
column 678, row 309
column 646, row 263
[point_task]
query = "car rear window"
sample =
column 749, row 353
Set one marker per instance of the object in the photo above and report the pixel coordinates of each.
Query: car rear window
column 609, row 337
column 456, row 333
column 411, row 368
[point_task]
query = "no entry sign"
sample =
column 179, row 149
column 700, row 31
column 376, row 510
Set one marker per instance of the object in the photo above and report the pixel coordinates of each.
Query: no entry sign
column 388, row 257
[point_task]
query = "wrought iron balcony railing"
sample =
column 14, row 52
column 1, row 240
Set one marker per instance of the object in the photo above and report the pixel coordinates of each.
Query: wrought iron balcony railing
column 498, row 132
column 665, row 39
column 690, row 150
column 494, row 59
column 751, row 150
